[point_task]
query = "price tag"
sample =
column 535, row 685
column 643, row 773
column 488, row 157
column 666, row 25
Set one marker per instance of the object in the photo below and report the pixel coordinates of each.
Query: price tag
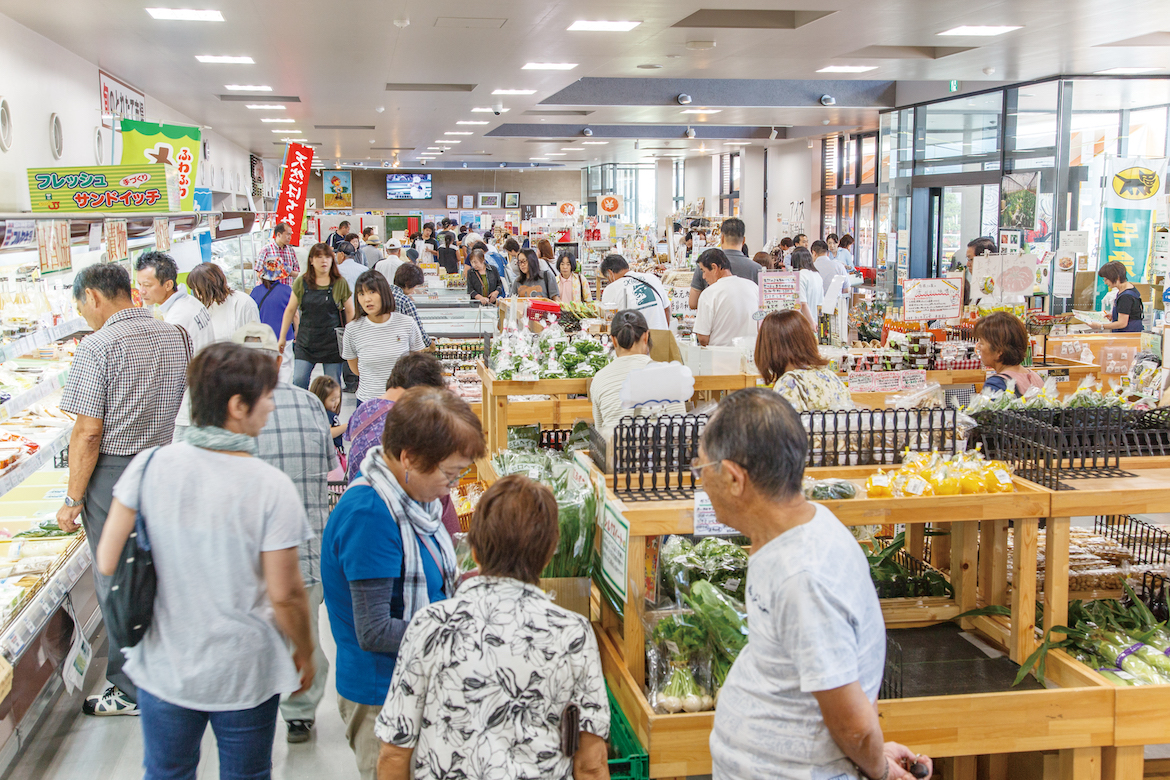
column 862, row 382
column 913, row 378
column 705, row 522
column 615, row 550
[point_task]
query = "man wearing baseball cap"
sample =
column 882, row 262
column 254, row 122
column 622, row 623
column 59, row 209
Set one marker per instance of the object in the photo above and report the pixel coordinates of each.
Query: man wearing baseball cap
column 393, row 260
column 271, row 297
column 296, row 440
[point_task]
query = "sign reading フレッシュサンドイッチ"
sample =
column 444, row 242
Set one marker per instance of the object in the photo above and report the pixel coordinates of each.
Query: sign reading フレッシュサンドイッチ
column 103, row 189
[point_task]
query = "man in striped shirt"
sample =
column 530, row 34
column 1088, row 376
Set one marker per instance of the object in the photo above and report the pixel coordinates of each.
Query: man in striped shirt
column 279, row 253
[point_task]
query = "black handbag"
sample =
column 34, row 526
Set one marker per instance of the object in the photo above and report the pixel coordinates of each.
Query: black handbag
column 130, row 603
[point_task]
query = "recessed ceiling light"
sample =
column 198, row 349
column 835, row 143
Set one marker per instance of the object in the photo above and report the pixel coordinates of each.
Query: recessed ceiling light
column 514, row 92
column 595, row 143
column 294, row 139
column 185, row 15
column 549, row 66
column 737, row 143
column 983, row 30
column 603, row 26
column 212, row 59
column 275, row 119
column 247, row 87
column 435, row 148
column 555, row 154
column 486, row 110
column 285, row 130
column 538, row 159
column 458, row 132
column 702, row 110
column 447, row 141
column 700, row 45
column 847, row 68
column 1125, row 71
column 469, row 122
column 265, row 107
column 569, row 149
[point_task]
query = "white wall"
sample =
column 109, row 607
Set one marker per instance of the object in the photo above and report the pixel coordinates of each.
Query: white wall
column 699, row 183
column 751, row 196
column 792, row 170
column 39, row 78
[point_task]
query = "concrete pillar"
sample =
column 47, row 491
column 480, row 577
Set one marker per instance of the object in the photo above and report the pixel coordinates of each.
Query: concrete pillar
column 697, row 182
column 751, row 196
column 663, row 194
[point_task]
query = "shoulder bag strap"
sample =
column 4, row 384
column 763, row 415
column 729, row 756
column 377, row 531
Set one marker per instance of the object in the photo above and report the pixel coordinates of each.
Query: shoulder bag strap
column 361, row 428
column 429, row 544
column 268, row 291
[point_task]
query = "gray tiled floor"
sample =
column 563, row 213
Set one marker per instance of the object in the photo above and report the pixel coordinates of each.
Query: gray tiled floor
column 70, row 745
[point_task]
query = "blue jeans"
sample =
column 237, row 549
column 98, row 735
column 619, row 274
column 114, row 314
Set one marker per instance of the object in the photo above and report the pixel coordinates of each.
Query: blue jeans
column 172, row 735
column 303, row 369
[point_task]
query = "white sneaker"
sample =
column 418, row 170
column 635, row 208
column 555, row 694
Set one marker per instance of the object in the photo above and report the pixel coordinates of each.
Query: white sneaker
column 111, row 702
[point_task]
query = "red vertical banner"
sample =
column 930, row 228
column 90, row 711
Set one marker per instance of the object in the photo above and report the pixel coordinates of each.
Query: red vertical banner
column 294, row 185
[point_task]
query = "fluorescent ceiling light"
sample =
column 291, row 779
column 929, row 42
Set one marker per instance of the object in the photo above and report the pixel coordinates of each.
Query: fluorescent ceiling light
column 185, row 15
column 265, row 107
column 435, row 148
column 470, row 122
column 549, row 66
column 702, row 110
column 1125, row 71
column 604, row 26
column 983, row 30
column 485, row 110
column 555, row 154
column 285, row 130
column 847, row 69
column 213, row 59
column 595, row 143
column 247, row 87
column 538, row 159
column 294, row 139
column 570, row 149
column 514, row 92
column 737, row 143
column 458, row 132
column 275, row 119
column 447, row 141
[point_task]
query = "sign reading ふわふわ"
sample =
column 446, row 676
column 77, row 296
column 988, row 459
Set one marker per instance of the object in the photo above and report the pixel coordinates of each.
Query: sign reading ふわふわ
column 102, row 188
column 176, row 146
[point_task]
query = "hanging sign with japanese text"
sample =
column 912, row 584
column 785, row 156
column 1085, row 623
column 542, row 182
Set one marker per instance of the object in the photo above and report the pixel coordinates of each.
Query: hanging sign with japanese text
column 175, row 146
column 1126, row 239
column 932, row 299
column 119, row 99
column 779, row 290
column 102, row 188
column 294, row 187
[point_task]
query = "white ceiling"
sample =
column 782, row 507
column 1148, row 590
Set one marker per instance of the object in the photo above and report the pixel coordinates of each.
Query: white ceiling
column 338, row 56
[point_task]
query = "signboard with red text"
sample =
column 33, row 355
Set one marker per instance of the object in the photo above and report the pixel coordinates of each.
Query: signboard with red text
column 294, row 186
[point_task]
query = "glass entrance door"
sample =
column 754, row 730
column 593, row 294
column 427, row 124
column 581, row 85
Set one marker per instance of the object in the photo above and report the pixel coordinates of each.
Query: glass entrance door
column 958, row 215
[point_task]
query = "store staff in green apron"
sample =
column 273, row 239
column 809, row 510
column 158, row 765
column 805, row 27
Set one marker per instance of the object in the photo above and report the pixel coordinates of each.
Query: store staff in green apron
column 1127, row 307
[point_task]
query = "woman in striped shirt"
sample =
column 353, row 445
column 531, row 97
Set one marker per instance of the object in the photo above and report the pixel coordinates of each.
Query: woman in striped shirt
column 378, row 336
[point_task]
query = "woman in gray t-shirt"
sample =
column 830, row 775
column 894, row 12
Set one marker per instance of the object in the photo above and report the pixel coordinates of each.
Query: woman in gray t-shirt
column 224, row 529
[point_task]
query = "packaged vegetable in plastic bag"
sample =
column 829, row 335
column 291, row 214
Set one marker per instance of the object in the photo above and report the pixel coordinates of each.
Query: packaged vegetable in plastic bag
column 577, row 517
column 723, row 564
column 828, row 489
column 929, row 396
column 678, row 648
column 678, row 565
column 724, row 618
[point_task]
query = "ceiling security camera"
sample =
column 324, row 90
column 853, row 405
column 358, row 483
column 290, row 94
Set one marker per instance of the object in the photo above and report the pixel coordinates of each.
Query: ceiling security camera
column 684, row 99
column 497, row 111
column 690, row 132
column 587, row 132
column 828, row 100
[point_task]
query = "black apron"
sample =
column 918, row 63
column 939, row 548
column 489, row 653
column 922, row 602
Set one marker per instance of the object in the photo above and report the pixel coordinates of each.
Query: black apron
column 316, row 338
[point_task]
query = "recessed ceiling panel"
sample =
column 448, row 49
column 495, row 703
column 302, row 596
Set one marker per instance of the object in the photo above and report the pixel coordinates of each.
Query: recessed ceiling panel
column 1149, row 39
column 907, row 52
column 423, row 87
column 750, row 19
column 260, row 98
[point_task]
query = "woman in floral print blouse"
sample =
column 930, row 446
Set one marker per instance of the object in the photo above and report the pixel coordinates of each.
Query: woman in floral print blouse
column 483, row 678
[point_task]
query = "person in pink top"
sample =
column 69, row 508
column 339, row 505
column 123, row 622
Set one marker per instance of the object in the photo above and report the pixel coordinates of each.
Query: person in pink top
column 1003, row 345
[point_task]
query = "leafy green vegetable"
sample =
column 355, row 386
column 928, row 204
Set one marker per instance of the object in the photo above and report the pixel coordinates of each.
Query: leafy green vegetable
column 683, row 641
column 723, row 564
column 47, row 529
column 724, row 618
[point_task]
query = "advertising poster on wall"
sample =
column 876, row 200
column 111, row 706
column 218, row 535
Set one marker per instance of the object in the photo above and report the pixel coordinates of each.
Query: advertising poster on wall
column 338, row 189
column 1017, row 201
column 175, row 146
column 117, row 99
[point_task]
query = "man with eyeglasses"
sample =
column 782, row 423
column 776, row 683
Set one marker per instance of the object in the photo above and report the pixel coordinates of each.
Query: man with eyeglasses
column 799, row 701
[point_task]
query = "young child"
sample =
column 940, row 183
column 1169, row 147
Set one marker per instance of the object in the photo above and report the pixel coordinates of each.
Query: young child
column 327, row 389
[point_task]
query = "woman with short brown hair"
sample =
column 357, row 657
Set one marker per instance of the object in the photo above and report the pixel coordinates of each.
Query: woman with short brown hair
column 1003, row 344
column 230, row 309
column 500, row 660
column 788, row 358
column 385, row 554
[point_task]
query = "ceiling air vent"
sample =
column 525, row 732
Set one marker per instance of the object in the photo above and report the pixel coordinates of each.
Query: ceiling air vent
column 750, row 19
column 343, row 127
column 420, row 87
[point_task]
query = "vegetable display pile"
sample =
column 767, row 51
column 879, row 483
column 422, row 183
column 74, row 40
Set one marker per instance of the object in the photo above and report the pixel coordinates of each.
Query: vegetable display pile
column 1088, row 395
column 691, row 648
column 48, row 529
column 828, row 489
column 521, row 355
column 576, row 506
column 933, row 474
column 893, row 580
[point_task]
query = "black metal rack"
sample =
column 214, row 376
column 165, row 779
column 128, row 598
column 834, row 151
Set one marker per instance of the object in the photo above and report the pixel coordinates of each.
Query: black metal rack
column 1047, row 446
column 652, row 456
column 892, row 675
column 864, row 437
column 1147, row 543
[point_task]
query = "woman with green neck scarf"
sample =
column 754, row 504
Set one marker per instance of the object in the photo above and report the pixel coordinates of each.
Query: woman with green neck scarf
column 224, row 528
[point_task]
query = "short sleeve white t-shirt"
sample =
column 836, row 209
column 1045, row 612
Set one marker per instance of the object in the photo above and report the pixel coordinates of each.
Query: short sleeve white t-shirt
column 231, row 315
column 185, row 310
column 726, row 311
column 213, row 645
column 643, row 292
column 812, row 292
column 814, row 624
column 389, row 267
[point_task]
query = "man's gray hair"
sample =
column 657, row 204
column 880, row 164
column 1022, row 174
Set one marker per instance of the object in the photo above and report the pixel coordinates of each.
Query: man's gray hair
column 760, row 431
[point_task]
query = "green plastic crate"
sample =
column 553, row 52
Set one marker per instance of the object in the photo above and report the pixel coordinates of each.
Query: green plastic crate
column 633, row 762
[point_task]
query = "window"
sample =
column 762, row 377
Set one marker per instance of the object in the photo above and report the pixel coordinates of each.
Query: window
column 729, row 184
column 635, row 183
column 849, row 190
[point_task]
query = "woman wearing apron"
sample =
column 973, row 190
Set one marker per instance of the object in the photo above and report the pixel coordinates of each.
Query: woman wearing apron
column 1127, row 307
column 323, row 298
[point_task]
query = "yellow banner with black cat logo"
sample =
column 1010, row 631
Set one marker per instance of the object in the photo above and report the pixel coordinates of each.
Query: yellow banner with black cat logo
column 1134, row 182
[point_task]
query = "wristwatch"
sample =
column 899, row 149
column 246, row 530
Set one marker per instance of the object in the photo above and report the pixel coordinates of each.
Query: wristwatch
column 69, row 502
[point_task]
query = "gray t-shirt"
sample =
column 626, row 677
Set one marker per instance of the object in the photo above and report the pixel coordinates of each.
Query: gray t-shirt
column 814, row 624
column 741, row 265
column 213, row 645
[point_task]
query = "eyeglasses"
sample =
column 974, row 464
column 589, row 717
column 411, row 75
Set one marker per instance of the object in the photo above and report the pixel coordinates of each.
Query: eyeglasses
column 697, row 468
column 453, row 481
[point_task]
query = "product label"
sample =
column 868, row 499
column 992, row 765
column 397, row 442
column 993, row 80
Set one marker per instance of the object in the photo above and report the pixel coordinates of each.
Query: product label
column 1003, row 477
column 880, row 480
column 615, row 550
column 916, row 486
column 705, row 522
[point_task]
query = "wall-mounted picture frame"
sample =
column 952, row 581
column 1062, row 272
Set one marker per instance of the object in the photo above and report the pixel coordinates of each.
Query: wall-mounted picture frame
column 490, row 200
column 468, row 201
column 511, row 200
column 452, row 201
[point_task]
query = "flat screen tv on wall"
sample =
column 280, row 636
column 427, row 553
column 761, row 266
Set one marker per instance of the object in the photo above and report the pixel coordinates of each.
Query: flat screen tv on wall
column 408, row 186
